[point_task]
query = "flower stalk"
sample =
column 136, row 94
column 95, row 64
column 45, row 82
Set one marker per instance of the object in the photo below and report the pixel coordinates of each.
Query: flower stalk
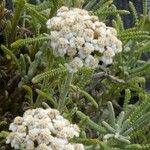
column 64, row 91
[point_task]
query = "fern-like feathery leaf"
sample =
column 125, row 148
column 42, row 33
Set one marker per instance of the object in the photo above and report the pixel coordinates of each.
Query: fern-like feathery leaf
column 49, row 74
column 145, row 2
column 47, row 96
column 126, row 99
column 134, row 35
column 20, row 4
column 10, row 53
column 36, row 14
column 134, row 13
column 29, row 94
column 141, row 70
column 42, row 6
column 91, row 123
column 112, row 13
column 22, row 42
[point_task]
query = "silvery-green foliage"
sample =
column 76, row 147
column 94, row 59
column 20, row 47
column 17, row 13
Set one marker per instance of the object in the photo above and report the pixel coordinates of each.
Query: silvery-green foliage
column 31, row 74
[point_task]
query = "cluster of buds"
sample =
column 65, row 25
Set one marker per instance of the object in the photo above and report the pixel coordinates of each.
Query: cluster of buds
column 41, row 129
column 82, row 38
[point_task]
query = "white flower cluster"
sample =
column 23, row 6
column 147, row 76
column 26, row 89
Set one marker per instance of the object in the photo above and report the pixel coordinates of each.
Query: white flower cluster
column 41, row 129
column 81, row 37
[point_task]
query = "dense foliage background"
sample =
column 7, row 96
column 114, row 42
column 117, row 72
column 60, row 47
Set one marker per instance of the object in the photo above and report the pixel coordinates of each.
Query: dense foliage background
column 103, row 101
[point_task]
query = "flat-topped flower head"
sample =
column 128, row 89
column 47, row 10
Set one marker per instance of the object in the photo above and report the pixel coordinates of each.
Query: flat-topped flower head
column 74, row 65
column 48, row 129
column 82, row 38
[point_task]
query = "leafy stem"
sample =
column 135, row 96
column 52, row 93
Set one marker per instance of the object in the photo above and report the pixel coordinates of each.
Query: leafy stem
column 64, row 91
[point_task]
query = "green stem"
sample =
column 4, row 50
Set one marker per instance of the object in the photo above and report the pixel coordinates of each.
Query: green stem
column 18, row 11
column 88, row 96
column 64, row 91
column 10, row 53
column 44, row 95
